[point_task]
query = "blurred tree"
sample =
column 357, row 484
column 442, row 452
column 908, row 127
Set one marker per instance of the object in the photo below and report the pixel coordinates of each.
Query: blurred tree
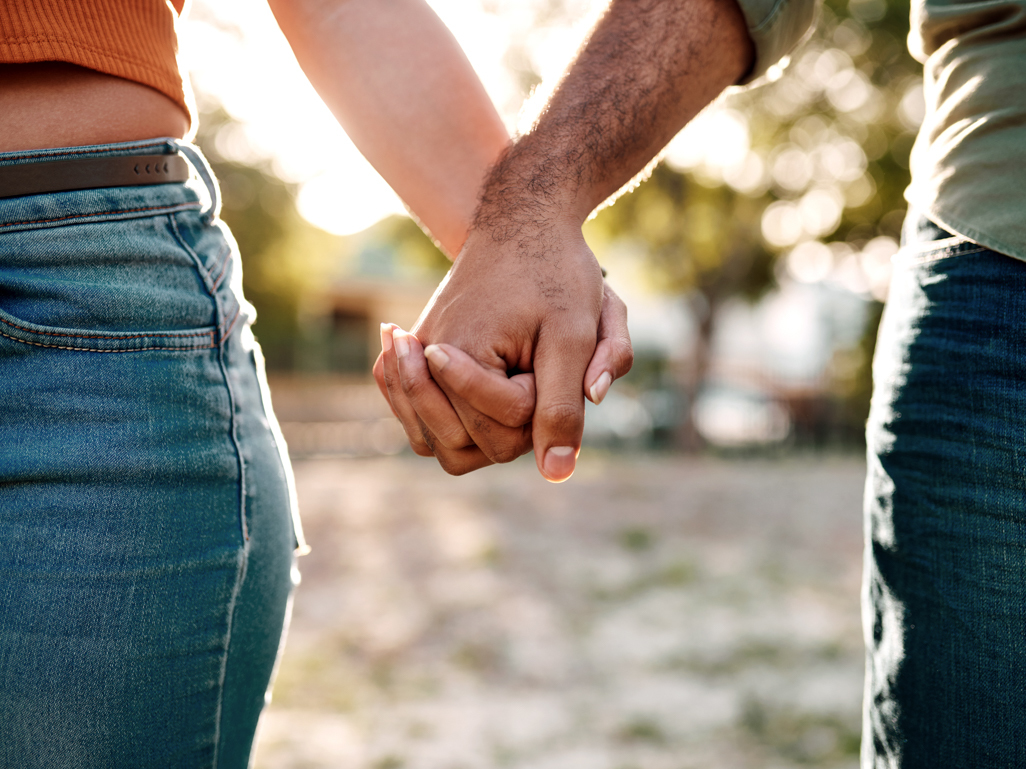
column 283, row 256
column 818, row 156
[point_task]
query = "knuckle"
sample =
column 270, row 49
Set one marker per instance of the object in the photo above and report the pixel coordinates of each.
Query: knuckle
column 562, row 416
column 453, row 465
column 626, row 357
column 391, row 381
column 453, row 437
column 412, row 386
column 421, row 449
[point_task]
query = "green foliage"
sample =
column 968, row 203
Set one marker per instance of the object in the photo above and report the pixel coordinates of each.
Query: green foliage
column 832, row 137
column 696, row 238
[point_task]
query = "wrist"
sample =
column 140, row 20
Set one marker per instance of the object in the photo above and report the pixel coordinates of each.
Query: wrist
column 532, row 187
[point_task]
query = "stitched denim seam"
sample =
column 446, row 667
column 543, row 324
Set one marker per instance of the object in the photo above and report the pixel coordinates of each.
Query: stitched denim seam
column 111, row 337
column 231, row 326
column 197, row 262
column 226, row 253
column 240, row 576
column 243, row 525
column 224, row 324
column 168, row 209
column 97, row 349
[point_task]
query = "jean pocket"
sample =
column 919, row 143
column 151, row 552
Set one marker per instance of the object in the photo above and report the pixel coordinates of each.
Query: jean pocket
column 112, row 341
column 121, row 286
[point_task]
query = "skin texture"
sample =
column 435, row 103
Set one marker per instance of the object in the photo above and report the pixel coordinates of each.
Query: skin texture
column 526, row 293
column 53, row 104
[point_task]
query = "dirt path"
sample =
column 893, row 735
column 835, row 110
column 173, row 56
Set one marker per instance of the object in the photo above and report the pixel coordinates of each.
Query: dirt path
column 652, row 613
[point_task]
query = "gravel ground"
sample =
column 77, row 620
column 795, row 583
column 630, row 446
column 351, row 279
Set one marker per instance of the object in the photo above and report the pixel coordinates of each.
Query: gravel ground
column 655, row 612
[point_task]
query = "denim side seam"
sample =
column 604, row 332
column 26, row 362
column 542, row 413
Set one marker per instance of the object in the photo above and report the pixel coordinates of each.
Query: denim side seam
column 224, row 255
column 243, row 558
column 225, row 319
column 242, row 562
column 225, row 326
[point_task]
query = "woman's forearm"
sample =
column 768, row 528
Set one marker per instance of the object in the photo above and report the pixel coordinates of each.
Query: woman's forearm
column 400, row 85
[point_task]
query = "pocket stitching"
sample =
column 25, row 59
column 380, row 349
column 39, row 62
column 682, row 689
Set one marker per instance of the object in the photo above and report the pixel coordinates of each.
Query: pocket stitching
column 169, row 209
column 111, row 337
column 96, row 349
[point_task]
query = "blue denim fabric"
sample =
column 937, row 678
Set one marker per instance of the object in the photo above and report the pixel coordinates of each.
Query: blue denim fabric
column 146, row 543
column 944, row 592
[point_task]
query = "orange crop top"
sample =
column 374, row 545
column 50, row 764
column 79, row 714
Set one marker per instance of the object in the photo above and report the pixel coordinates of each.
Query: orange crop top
column 132, row 39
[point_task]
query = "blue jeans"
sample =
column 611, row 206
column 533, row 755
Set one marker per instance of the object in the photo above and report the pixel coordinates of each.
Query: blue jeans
column 146, row 542
column 944, row 592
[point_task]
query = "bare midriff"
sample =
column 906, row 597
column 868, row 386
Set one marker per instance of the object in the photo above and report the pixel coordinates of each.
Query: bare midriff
column 53, row 104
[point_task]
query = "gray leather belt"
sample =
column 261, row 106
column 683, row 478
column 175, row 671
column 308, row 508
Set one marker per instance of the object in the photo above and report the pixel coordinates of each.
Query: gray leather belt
column 43, row 176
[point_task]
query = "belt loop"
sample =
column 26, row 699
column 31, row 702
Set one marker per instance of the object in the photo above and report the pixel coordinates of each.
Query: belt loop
column 202, row 167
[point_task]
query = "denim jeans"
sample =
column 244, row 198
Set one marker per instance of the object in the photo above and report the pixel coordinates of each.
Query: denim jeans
column 944, row 593
column 146, row 539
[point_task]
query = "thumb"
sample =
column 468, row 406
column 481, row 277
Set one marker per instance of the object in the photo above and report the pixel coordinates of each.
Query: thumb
column 560, row 360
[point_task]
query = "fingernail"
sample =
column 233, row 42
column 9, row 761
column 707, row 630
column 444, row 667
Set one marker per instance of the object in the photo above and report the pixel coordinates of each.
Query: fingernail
column 386, row 337
column 402, row 344
column 559, row 463
column 601, row 387
column 435, row 354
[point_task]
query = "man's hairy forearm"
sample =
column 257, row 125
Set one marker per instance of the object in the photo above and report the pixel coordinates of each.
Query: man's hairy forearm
column 648, row 67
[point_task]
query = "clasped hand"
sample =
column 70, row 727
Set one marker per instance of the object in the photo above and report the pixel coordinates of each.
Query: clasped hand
column 501, row 359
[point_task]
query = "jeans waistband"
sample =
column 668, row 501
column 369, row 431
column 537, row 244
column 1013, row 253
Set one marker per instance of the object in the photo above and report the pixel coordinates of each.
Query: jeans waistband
column 56, row 209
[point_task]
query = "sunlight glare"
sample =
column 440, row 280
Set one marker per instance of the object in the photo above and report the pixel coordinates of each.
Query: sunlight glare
column 237, row 57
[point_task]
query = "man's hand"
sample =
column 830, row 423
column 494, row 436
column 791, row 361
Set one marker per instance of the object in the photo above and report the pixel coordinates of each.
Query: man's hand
column 526, row 303
column 525, row 293
column 433, row 425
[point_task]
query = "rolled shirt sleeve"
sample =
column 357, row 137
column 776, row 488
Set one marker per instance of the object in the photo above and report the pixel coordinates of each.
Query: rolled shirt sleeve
column 776, row 27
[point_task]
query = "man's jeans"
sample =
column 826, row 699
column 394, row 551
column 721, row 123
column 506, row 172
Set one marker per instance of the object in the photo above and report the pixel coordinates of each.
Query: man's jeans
column 944, row 595
column 146, row 545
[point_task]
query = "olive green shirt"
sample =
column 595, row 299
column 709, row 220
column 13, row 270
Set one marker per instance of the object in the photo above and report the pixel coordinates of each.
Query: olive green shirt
column 969, row 160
